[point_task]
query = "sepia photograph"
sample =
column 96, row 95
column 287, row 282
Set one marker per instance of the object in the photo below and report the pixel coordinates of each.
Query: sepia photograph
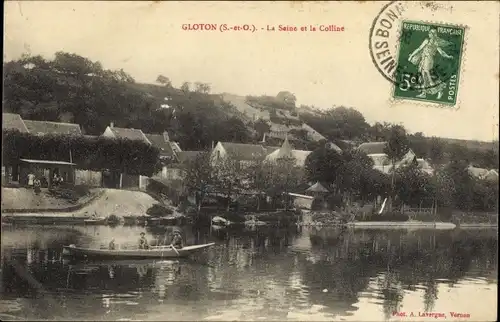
column 250, row 161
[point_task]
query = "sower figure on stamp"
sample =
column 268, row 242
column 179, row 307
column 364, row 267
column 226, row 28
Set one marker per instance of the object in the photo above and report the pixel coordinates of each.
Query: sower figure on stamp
column 423, row 57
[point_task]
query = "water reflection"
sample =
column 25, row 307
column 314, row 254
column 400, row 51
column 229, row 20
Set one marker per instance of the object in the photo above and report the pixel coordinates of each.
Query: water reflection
column 263, row 274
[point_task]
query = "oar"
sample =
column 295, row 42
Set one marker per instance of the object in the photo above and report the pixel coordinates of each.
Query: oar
column 175, row 250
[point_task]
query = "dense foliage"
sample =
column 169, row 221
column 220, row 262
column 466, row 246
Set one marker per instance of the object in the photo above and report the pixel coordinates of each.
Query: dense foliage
column 99, row 153
column 350, row 176
column 71, row 88
column 231, row 180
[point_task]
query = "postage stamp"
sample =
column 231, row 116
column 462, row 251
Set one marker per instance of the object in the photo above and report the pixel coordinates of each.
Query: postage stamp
column 423, row 60
column 428, row 64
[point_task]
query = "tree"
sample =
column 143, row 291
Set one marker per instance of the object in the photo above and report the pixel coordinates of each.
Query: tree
column 300, row 134
column 414, row 186
column 396, row 148
column 262, row 127
column 445, row 189
column 380, row 131
column 463, row 184
column 185, row 87
column 355, row 165
column 164, row 80
column 231, row 130
column 282, row 177
column 436, row 151
column 228, row 175
column 198, row 177
column 288, row 99
column 324, row 165
column 338, row 123
column 98, row 154
column 419, row 144
column 202, row 87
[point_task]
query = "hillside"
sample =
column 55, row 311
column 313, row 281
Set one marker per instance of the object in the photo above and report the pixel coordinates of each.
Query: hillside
column 473, row 145
column 71, row 88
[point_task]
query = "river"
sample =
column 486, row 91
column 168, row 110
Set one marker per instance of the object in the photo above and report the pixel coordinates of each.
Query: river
column 265, row 274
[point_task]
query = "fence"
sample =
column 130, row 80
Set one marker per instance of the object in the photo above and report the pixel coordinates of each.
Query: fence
column 88, row 178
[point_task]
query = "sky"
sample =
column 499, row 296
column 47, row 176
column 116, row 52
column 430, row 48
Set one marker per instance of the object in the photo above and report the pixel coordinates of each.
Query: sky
column 323, row 69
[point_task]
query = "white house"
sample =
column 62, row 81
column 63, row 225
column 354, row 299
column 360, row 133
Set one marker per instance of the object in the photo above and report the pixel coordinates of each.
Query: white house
column 244, row 153
column 483, row 174
column 375, row 150
column 125, row 133
column 286, row 151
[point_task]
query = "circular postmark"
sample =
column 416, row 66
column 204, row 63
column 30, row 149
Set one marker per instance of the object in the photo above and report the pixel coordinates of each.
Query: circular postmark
column 412, row 55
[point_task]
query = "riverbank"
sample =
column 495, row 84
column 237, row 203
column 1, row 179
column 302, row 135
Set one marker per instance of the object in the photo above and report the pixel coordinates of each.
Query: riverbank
column 24, row 200
column 338, row 219
column 108, row 202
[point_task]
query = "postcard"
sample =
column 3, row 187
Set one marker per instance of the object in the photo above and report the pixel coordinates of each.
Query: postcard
column 248, row 160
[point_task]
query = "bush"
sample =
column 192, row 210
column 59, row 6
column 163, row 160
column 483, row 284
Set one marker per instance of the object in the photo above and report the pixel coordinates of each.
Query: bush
column 158, row 210
column 97, row 154
column 69, row 192
column 113, row 219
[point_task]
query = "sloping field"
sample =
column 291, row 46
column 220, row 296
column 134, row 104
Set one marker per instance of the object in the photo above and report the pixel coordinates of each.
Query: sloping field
column 247, row 110
column 112, row 201
column 120, row 203
column 23, row 198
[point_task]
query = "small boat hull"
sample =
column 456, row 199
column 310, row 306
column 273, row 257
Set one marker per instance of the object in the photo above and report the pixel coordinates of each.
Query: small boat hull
column 153, row 252
column 401, row 225
column 97, row 221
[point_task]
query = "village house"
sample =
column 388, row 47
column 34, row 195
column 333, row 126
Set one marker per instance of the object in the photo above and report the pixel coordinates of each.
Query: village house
column 483, row 174
column 286, row 151
column 43, row 168
column 13, row 122
column 375, row 150
column 245, row 154
column 46, row 127
column 113, row 132
column 175, row 170
column 114, row 179
column 170, row 155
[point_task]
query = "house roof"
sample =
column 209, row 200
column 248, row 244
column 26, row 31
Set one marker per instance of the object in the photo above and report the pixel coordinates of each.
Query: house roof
column 46, row 127
column 241, row 151
column 373, row 147
column 271, row 149
column 477, row 172
column 186, row 156
column 47, row 162
column 131, row 134
column 13, row 121
column 285, row 150
column 317, row 187
column 334, row 146
column 423, row 163
column 300, row 156
column 158, row 141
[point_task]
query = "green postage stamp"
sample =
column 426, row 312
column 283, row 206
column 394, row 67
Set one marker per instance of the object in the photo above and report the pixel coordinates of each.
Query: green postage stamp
column 428, row 63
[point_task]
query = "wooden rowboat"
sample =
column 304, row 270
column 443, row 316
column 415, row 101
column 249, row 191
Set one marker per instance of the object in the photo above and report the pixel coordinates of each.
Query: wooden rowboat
column 95, row 221
column 153, row 252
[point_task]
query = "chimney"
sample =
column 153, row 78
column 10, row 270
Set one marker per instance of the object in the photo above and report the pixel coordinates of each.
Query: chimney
column 165, row 136
column 212, row 145
column 111, row 125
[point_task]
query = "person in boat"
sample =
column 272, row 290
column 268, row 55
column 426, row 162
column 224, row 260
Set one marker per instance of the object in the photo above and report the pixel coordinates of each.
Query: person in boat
column 177, row 239
column 112, row 245
column 143, row 242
